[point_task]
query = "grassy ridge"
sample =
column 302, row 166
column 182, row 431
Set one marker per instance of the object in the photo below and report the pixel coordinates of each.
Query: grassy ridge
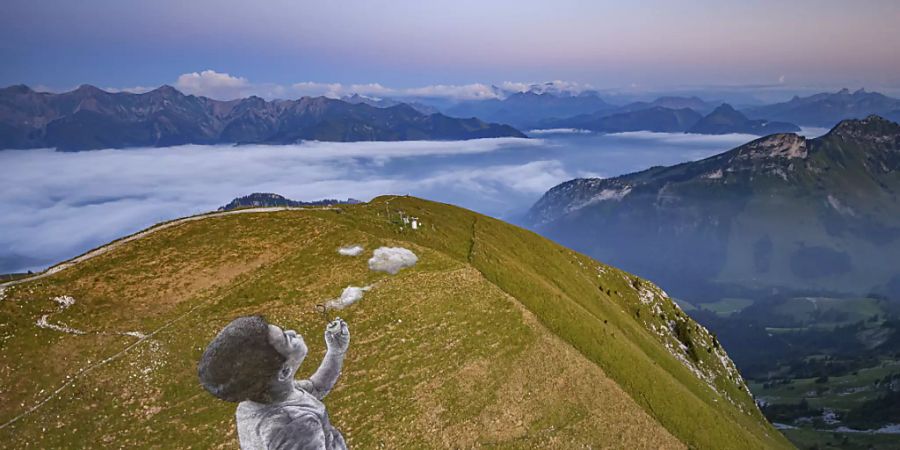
column 564, row 290
column 497, row 337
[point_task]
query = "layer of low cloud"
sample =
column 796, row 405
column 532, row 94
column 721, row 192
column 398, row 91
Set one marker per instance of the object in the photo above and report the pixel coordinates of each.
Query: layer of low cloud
column 543, row 131
column 686, row 138
column 57, row 205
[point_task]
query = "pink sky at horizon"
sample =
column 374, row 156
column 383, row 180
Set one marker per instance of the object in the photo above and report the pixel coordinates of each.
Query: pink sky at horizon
column 412, row 43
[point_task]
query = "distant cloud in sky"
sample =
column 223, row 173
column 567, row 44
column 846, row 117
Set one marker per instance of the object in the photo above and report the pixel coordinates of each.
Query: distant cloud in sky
column 333, row 90
column 474, row 91
column 224, row 86
column 213, row 84
column 555, row 86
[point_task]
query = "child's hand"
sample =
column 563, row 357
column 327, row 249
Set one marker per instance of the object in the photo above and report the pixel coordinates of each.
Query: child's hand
column 337, row 335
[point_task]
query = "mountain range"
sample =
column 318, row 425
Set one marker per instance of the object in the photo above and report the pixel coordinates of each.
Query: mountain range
column 725, row 119
column 827, row 109
column 722, row 120
column 654, row 118
column 90, row 118
column 387, row 103
column 672, row 102
column 526, row 109
column 781, row 212
column 552, row 108
column 496, row 337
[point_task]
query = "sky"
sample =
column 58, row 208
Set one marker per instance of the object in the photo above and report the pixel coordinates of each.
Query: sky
column 287, row 48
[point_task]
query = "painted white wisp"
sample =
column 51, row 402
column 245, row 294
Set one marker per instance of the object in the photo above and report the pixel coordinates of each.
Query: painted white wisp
column 392, row 259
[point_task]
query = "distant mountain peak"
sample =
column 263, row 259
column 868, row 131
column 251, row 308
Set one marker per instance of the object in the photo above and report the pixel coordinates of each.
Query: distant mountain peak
column 873, row 126
column 18, row 88
column 725, row 107
column 726, row 119
column 89, row 89
column 166, row 90
column 726, row 112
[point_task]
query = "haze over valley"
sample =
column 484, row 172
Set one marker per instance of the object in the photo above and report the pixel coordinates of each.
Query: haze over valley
column 55, row 197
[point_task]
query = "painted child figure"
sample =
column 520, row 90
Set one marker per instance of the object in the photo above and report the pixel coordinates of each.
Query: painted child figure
column 253, row 362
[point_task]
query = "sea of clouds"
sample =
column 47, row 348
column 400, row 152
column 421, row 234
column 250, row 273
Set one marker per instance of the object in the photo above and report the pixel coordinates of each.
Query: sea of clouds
column 56, row 205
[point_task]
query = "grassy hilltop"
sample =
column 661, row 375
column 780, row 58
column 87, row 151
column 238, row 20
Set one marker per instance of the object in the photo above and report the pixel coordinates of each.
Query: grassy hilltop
column 497, row 337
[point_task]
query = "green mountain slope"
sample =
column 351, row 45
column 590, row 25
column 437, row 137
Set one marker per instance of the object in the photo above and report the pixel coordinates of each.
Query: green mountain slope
column 497, row 337
column 781, row 212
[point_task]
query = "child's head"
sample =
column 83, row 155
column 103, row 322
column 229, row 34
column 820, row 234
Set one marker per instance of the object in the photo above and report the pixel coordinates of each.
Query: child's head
column 246, row 357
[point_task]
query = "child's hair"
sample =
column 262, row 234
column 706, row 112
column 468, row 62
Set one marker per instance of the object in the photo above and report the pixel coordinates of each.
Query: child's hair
column 240, row 363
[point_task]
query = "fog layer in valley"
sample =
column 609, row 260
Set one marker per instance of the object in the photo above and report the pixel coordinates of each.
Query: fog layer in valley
column 55, row 205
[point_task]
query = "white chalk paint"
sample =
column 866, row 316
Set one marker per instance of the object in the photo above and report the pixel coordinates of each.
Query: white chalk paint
column 352, row 250
column 392, row 259
column 64, row 302
column 349, row 296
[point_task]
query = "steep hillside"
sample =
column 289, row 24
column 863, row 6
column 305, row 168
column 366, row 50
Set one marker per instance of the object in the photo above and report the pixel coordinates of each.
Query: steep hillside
column 90, row 118
column 781, row 212
column 496, row 337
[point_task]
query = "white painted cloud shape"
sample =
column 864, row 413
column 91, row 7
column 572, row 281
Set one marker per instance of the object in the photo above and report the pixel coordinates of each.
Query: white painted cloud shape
column 349, row 296
column 351, row 250
column 392, row 259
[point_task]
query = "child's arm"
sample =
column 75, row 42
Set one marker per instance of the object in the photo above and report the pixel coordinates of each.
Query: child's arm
column 337, row 339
